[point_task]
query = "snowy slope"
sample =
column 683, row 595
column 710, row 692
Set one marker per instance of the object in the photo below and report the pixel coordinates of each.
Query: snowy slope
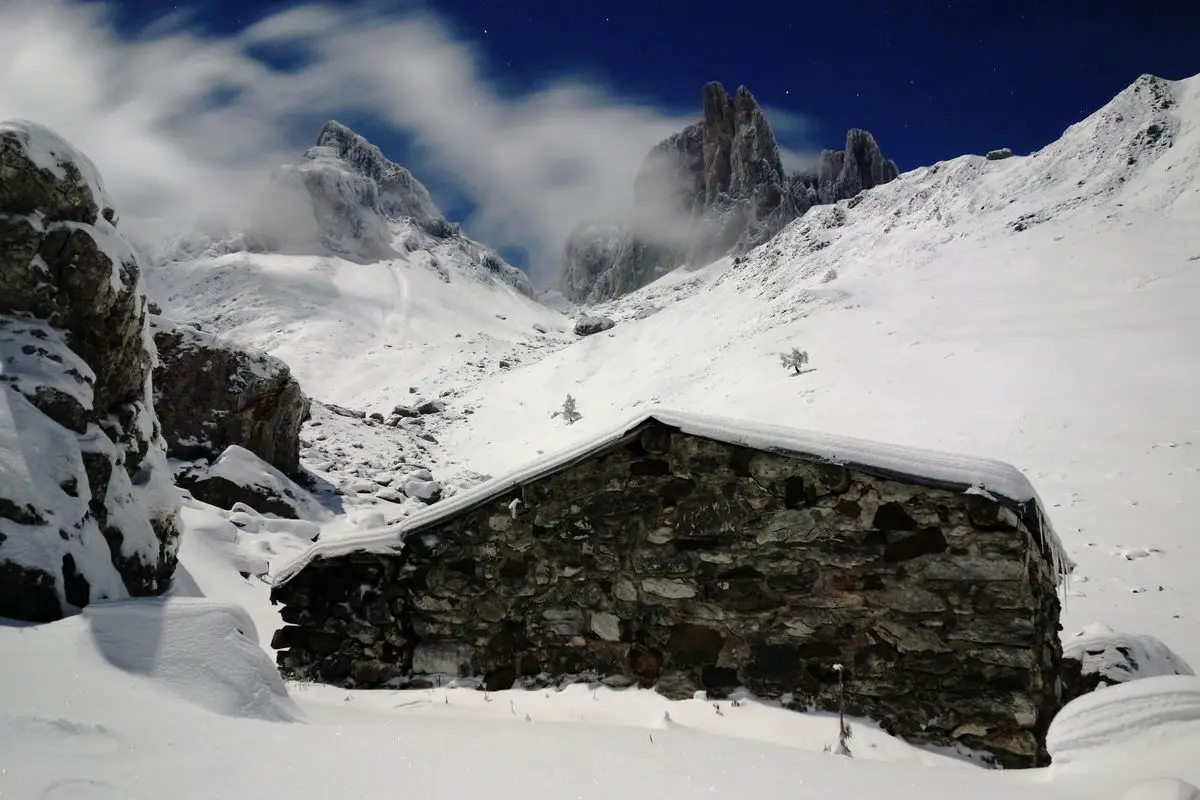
column 1036, row 310
column 362, row 334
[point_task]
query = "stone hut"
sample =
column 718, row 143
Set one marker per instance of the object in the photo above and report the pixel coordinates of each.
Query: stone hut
column 688, row 553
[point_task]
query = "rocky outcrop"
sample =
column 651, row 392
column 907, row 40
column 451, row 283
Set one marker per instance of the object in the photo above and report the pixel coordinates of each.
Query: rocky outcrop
column 87, row 510
column 682, row 562
column 842, row 174
column 716, row 188
column 210, row 394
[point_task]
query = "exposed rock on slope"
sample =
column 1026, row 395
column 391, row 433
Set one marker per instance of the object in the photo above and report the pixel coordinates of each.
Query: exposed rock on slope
column 716, row 188
column 210, row 394
column 589, row 324
column 87, row 510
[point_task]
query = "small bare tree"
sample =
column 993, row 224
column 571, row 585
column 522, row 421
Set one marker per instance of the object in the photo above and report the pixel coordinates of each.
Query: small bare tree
column 794, row 360
column 844, row 733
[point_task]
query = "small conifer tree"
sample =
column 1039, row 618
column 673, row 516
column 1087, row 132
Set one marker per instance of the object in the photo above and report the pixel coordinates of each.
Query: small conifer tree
column 570, row 412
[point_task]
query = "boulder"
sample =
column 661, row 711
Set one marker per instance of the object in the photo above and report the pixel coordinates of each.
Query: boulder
column 590, row 324
column 87, row 509
column 999, row 155
column 431, row 407
column 239, row 476
column 210, row 394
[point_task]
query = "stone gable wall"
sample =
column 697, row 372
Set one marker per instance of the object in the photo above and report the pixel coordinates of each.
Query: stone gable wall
column 685, row 563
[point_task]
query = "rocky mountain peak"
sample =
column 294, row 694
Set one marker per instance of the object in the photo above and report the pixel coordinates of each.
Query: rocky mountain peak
column 716, row 188
column 400, row 194
column 346, row 198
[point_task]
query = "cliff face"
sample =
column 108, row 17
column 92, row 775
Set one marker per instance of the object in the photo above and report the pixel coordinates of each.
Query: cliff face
column 87, row 510
column 717, row 187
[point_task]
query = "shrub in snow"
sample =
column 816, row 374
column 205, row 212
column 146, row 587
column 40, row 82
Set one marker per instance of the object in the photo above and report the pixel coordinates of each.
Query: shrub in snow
column 87, row 510
column 794, row 360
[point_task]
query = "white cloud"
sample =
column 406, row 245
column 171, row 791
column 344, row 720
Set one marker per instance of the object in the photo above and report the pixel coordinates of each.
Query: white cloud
column 181, row 124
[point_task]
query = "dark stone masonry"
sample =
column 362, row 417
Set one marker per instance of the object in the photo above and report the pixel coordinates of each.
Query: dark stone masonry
column 670, row 560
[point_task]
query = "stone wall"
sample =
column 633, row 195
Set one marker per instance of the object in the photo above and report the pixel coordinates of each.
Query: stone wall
column 684, row 563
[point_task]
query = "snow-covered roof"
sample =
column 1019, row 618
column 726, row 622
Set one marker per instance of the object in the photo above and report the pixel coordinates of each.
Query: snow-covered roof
column 970, row 474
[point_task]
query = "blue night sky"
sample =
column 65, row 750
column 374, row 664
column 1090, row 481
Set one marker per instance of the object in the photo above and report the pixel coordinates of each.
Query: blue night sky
column 931, row 80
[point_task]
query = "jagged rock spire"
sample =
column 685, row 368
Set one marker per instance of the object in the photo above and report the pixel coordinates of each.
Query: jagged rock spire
column 715, row 188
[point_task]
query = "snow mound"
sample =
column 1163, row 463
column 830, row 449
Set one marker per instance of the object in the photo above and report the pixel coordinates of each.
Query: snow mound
column 1120, row 657
column 1143, row 714
column 203, row 651
column 1162, row 789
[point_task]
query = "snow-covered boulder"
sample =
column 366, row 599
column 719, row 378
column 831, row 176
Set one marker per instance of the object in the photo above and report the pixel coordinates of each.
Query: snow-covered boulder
column 589, row 324
column 201, row 651
column 239, row 476
column 87, row 510
column 210, row 393
column 1099, row 656
column 427, row 491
